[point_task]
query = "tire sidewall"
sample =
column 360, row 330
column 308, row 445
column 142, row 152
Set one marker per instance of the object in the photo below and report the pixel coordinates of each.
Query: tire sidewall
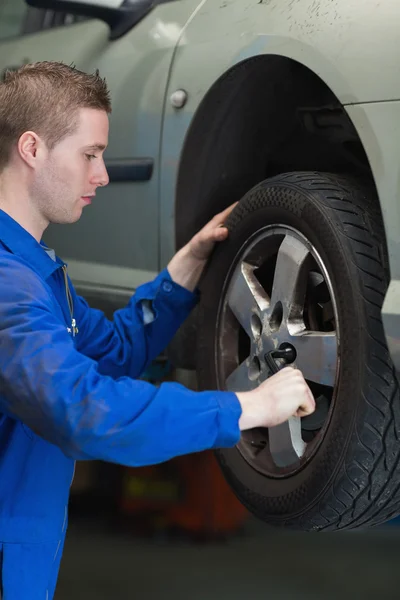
column 274, row 203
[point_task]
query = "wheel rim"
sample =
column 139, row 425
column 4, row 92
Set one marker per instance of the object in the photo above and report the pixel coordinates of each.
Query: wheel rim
column 279, row 292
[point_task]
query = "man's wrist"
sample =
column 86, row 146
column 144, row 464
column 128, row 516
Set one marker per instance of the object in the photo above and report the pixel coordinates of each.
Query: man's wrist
column 247, row 417
column 186, row 269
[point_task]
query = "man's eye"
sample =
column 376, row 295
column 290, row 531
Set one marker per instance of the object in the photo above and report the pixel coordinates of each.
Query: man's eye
column 90, row 156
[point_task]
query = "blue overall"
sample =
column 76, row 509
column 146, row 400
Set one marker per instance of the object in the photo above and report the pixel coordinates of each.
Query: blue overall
column 68, row 392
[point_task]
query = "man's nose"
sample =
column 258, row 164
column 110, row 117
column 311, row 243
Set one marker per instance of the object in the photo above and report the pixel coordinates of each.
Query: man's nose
column 101, row 177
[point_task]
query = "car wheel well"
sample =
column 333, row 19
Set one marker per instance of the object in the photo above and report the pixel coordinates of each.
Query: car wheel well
column 265, row 116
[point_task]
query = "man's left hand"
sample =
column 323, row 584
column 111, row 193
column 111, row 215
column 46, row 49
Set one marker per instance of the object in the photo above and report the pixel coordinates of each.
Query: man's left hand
column 188, row 263
column 202, row 244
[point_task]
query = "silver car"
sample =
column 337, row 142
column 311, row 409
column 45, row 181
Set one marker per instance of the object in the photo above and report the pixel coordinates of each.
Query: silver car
column 292, row 108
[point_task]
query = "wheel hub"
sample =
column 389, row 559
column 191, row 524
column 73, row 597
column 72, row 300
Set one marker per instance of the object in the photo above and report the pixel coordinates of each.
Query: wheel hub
column 286, row 352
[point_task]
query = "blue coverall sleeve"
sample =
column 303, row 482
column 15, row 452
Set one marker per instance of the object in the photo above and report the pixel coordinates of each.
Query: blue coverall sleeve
column 139, row 332
column 60, row 394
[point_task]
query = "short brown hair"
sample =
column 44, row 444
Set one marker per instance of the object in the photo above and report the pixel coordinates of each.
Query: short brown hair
column 44, row 97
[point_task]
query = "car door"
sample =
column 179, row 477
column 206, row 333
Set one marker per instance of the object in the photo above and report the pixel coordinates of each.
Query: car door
column 115, row 245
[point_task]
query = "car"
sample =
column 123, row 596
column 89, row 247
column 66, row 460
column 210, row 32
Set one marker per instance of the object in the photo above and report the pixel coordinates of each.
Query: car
column 291, row 109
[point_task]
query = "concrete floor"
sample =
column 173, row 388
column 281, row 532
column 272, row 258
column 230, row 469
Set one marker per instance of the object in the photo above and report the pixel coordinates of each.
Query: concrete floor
column 99, row 564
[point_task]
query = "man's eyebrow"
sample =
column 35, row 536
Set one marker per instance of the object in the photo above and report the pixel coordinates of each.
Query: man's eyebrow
column 99, row 147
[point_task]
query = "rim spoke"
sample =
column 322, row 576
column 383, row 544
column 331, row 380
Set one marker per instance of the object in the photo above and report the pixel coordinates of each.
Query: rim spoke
column 290, row 305
column 246, row 296
column 239, row 380
column 328, row 313
column 285, row 442
column 290, row 283
column 317, row 356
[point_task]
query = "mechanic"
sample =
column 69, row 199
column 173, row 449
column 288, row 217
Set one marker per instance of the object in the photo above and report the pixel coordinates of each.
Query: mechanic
column 68, row 376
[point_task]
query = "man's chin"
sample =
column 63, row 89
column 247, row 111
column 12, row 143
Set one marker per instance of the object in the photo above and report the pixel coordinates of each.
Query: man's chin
column 77, row 216
column 70, row 220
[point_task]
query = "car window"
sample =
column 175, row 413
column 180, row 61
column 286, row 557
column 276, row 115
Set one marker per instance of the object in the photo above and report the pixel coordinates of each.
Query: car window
column 12, row 16
column 17, row 18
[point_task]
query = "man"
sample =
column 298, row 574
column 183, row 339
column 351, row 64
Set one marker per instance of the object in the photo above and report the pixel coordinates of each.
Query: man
column 67, row 375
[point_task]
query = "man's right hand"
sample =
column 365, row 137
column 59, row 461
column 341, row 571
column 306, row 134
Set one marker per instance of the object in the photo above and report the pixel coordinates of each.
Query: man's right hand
column 281, row 396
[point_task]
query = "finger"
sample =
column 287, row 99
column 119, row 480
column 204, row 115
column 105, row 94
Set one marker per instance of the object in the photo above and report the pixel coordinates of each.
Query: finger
column 205, row 237
column 222, row 216
column 311, row 396
column 305, row 412
column 288, row 369
column 220, row 233
column 213, row 233
column 309, row 393
column 306, row 408
column 225, row 213
column 286, row 372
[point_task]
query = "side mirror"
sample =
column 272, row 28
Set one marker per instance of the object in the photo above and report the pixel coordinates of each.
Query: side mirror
column 120, row 15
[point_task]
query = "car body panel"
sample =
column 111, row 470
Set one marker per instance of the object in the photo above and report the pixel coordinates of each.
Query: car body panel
column 334, row 39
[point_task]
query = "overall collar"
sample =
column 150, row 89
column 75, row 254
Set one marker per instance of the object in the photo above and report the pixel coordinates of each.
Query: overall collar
column 23, row 244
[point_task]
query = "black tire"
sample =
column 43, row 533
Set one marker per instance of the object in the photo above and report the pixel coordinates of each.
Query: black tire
column 353, row 479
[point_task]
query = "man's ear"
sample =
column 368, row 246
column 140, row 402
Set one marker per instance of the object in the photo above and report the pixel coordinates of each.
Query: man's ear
column 31, row 148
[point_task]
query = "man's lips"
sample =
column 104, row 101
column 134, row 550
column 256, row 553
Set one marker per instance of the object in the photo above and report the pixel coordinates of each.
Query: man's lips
column 87, row 199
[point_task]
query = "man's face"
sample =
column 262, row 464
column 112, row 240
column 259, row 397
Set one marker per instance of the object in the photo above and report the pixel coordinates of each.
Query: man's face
column 68, row 175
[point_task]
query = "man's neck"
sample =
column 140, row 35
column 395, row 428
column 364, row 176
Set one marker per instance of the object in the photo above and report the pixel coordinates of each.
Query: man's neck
column 15, row 201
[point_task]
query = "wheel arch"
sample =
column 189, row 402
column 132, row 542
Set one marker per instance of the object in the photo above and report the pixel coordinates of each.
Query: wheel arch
column 265, row 115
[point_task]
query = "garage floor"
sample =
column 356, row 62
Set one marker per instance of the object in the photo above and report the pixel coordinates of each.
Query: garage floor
column 260, row 564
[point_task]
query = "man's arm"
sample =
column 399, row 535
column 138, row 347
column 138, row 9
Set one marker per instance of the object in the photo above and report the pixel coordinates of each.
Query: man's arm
column 60, row 394
column 143, row 329
column 139, row 332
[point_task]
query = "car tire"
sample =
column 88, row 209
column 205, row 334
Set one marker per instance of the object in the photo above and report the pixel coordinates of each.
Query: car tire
column 347, row 475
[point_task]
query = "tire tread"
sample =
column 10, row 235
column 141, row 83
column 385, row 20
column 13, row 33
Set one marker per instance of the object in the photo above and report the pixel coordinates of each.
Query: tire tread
column 365, row 490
